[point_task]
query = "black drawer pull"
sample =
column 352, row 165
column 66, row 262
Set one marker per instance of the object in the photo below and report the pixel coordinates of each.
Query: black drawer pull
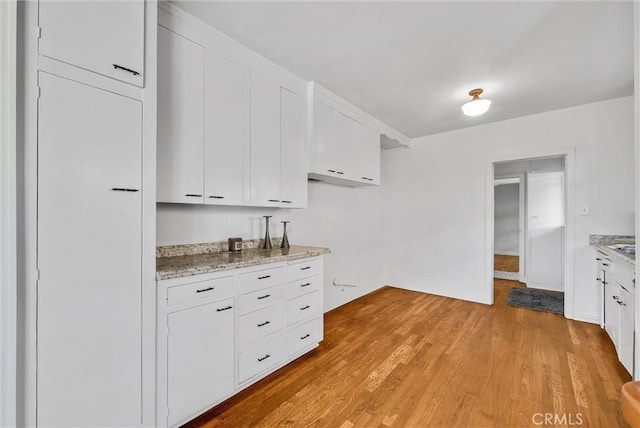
column 224, row 309
column 305, row 336
column 621, row 303
column 264, row 277
column 286, row 202
column 305, row 308
column 119, row 67
column 205, row 289
column 616, row 297
column 331, row 170
column 305, row 285
column 193, row 195
column 264, row 323
column 598, row 259
column 274, row 200
column 124, row 189
column 604, row 282
column 605, row 264
column 305, row 268
column 216, row 197
column 264, row 358
column 264, row 297
column 340, row 172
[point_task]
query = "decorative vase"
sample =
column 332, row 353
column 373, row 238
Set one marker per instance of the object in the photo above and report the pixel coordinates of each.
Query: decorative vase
column 285, row 239
column 266, row 245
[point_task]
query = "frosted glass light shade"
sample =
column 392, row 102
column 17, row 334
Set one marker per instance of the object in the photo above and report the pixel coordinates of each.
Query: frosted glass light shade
column 476, row 107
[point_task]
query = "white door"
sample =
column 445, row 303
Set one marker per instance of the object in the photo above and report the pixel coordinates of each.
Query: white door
column 200, row 358
column 612, row 311
column 180, row 161
column 349, row 134
column 369, row 160
column 89, row 256
column 293, row 144
column 106, row 37
column 224, row 120
column 626, row 330
column 265, row 140
column 545, row 201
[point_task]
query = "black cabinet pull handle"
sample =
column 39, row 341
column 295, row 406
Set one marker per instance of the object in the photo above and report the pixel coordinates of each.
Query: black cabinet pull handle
column 264, row 277
column 274, row 200
column 305, row 268
column 264, row 297
column 364, row 178
column 616, row 297
column 123, row 189
column 598, row 259
column 604, row 282
column 264, row 358
column 216, row 197
column 193, row 195
column 305, row 285
column 264, row 323
column 205, row 290
column 621, row 303
column 224, row 309
column 286, row 202
column 305, row 336
column 605, row 264
column 331, row 170
column 340, row 172
column 119, row 67
column 305, row 308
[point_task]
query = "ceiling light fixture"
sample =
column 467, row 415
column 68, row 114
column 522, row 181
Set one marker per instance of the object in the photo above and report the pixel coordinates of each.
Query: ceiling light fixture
column 476, row 106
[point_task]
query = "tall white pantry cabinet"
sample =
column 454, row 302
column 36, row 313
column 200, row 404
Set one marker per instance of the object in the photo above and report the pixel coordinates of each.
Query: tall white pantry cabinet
column 89, row 114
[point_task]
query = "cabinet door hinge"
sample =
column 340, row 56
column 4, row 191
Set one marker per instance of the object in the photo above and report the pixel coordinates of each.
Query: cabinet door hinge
column 38, row 32
column 39, row 91
column 37, row 274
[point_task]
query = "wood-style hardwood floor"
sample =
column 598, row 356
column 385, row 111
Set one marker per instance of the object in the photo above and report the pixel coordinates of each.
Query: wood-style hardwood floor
column 506, row 263
column 398, row 358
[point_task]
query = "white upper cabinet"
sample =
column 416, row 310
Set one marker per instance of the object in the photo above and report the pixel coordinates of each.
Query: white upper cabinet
column 224, row 130
column 180, row 160
column 293, row 149
column 265, row 139
column 106, row 37
column 345, row 147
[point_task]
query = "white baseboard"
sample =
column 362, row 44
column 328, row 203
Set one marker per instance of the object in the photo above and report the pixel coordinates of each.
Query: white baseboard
column 506, row 253
column 590, row 318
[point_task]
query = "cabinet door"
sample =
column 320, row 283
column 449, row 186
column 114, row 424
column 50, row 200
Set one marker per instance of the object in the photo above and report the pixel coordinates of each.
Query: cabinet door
column 200, row 358
column 369, row 161
column 105, row 37
column 180, row 161
column 89, row 246
column 625, row 350
column 265, row 140
column 348, row 135
column 325, row 147
column 224, row 121
column 293, row 147
column 612, row 310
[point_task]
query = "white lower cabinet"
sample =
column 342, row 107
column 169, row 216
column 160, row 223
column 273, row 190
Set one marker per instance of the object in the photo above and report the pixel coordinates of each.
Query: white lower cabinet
column 618, row 279
column 200, row 357
column 221, row 332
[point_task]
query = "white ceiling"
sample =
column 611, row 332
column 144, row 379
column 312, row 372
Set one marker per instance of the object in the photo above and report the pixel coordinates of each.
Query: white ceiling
column 411, row 64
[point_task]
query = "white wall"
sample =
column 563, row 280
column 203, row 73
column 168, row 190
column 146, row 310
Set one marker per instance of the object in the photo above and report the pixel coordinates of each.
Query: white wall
column 506, row 218
column 346, row 220
column 437, row 191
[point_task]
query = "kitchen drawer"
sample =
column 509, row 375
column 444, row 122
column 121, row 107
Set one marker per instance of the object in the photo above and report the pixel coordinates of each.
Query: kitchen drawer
column 304, row 269
column 200, row 290
column 302, row 336
column 303, row 307
column 259, row 279
column 258, row 324
column 624, row 275
column 303, row 286
column 260, row 357
column 259, row 299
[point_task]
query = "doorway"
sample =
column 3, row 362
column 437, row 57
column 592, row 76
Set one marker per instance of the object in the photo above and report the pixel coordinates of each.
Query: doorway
column 529, row 201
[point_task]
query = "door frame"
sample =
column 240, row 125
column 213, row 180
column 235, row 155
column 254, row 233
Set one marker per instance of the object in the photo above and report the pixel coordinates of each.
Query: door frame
column 569, row 154
column 522, row 224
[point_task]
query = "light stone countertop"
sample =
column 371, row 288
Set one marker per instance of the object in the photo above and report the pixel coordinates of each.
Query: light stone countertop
column 602, row 243
column 196, row 264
